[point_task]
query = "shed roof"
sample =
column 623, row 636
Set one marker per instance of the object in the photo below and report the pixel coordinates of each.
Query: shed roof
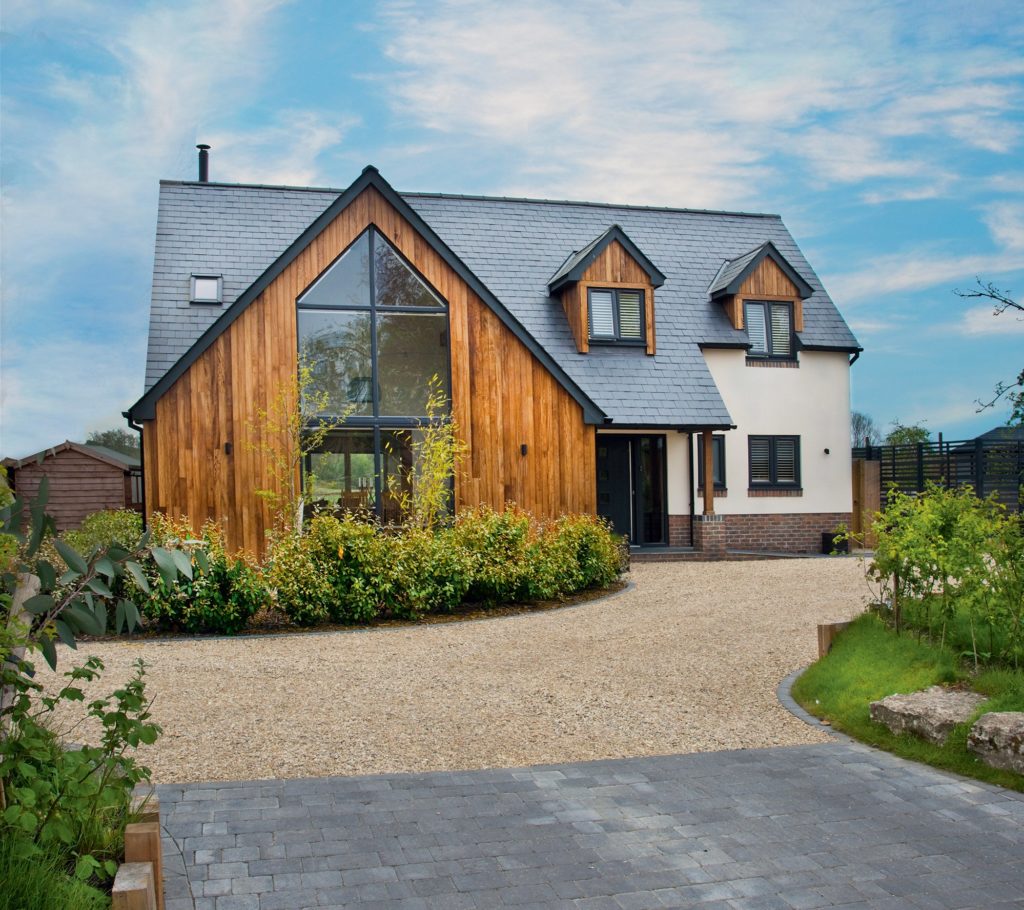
column 514, row 247
column 100, row 453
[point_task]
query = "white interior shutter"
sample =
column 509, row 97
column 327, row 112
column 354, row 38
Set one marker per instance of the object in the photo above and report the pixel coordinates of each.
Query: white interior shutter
column 631, row 315
column 602, row 322
column 785, row 461
column 753, row 314
column 782, row 330
column 760, row 458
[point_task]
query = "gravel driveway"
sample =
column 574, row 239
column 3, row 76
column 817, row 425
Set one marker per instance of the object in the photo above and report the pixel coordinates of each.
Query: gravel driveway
column 686, row 661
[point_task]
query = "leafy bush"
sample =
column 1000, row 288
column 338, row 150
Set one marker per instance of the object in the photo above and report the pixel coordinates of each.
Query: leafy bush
column 951, row 566
column 221, row 594
column 104, row 529
column 72, row 802
column 300, row 585
column 496, row 544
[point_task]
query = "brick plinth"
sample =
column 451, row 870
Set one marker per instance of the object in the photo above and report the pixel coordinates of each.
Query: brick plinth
column 709, row 535
column 679, row 531
column 786, row 533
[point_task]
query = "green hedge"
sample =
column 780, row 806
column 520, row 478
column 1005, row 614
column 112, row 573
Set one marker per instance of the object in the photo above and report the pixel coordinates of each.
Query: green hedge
column 349, row 571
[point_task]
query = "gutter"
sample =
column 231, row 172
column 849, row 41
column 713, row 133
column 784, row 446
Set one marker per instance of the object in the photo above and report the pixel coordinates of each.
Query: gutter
column 142, row 464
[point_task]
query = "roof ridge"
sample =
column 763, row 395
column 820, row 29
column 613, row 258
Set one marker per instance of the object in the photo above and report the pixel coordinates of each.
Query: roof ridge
column 479, row 198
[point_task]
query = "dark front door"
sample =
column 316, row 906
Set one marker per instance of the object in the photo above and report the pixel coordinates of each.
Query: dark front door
column 631, row 486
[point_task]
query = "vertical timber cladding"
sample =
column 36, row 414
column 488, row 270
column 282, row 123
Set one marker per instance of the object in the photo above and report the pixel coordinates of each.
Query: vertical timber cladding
column 767, row 282
column 502, row 399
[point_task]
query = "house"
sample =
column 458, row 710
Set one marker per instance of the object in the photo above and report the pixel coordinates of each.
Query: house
column 596, row 357
column 83, row 479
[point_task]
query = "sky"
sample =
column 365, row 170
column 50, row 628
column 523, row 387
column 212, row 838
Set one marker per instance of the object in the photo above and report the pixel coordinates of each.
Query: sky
column 889, row 136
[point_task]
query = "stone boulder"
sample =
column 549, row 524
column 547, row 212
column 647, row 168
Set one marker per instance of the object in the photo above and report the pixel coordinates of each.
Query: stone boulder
column 930, row 714
column 998, row 740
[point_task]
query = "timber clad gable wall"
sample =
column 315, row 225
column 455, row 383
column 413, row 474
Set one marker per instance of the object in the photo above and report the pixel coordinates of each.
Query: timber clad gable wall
column 502, row 399
column 613, row 268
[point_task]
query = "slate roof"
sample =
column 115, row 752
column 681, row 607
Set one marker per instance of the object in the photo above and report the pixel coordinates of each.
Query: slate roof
column 100, row 453
column 513, row 246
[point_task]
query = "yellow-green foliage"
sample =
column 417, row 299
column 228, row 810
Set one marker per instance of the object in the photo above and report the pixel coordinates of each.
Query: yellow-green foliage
column 8, row 543
column 952, row 566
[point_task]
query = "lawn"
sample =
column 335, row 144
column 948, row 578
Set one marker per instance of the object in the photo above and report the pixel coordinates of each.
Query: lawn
column 869, row 661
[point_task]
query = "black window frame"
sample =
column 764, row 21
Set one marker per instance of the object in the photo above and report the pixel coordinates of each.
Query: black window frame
column 773, row 481
column 766, row 306
column 717, row 460
column 195, row 299
column 376, row 422
column 617, row 337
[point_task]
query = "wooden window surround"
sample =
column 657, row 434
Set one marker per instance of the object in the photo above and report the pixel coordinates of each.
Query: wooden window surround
column 615, row 268
column 767, row 282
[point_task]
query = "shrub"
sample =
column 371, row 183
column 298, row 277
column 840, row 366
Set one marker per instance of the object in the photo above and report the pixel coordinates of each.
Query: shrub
column 221, row 596
column 496, row 545
column 104, row 529
column 301, row 587
column 597, row 553
column 72, row 802
column 951, row 566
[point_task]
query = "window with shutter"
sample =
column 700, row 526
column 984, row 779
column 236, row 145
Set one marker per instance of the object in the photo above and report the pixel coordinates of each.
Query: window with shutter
column 718, row 462
column 616, row 315
column 754, row 315
column 602, row 314
column 774, row 461
column 770, row 328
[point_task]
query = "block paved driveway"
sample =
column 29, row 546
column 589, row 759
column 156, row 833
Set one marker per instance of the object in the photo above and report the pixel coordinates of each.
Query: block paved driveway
column 799, row 827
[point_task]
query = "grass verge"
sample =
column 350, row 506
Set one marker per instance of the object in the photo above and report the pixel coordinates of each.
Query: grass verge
column 40, row 883
column 869, row 661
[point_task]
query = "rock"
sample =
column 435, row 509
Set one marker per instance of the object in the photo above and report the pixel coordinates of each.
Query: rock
column 930, row 714
column 998, row 739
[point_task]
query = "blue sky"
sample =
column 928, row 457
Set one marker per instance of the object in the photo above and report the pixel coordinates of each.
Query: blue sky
column 888, row 135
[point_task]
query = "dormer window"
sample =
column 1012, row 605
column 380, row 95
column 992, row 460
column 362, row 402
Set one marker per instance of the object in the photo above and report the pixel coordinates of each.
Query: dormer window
column 616, row 315
column 207, row 289
column 770, row 327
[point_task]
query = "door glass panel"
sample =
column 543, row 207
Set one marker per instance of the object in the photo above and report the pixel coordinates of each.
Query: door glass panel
column 651, row 488
column 394, row 282
column 412, row 348
column 336, row 347
column 347, row 282
column 343, row 471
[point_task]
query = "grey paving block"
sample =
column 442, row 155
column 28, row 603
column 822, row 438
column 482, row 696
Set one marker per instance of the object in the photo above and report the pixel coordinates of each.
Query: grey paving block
column 791, row 828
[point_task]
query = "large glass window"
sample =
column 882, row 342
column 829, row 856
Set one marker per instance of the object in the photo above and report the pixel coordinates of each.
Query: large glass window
column 374, row 335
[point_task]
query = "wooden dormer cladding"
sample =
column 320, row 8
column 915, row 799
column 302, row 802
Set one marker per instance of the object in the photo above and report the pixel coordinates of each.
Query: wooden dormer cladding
column 610, row 261
column 766, row 282
column 761, row 274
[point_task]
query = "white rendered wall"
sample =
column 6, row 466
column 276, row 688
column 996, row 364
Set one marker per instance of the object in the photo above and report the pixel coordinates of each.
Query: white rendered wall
column 812, row 402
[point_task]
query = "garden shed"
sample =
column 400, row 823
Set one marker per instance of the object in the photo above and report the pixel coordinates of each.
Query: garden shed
column 83, row 479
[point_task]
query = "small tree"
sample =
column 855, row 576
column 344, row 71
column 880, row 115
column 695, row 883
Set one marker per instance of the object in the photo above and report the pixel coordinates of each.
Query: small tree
column 1013, row 391
column 907, row 434
column 118, row 439
column 863, row 430
column 436, row 451
column 285, row 433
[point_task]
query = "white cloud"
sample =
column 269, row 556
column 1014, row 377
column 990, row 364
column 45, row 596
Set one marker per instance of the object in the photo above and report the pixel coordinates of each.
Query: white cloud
column 690, row 103
column 983, row 321
column 82, row 157
column 918, row 269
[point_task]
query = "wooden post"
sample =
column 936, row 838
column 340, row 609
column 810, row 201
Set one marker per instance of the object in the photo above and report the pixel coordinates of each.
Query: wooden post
column 142, row 845
column 709, row 472
column 827, row 633
column 146, row 805
column 134, row 888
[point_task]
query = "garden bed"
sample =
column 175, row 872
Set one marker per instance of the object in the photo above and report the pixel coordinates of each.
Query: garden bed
column 870, row 661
